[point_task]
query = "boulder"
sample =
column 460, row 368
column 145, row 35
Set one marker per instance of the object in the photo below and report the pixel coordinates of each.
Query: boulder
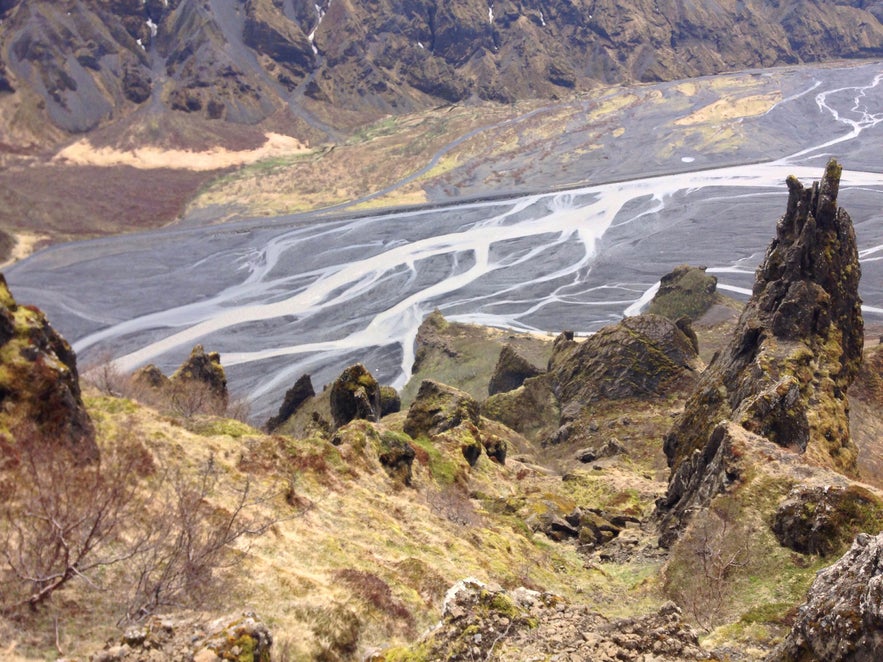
column 203, row 369
column 294, row 398
column 842, row 617
column 823, row 520
column 396, row 455
column 638, row 357
column 150, row 376
column 390, row 401
column 40, row 398
column 684, row 292
column 355, row 395
column 511, row 371
column 609, row 448
column 438, row 408
column 796, row 349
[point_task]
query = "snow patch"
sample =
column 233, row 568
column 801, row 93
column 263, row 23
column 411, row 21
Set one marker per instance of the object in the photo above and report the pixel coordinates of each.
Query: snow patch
column 687, row 159
column 542, row 19
column 153, row 27
column 138, row 41
column 420, row 44
column 490, row 13
column 320, row 14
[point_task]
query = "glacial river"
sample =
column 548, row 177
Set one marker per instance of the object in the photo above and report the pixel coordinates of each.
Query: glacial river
column 283, row 297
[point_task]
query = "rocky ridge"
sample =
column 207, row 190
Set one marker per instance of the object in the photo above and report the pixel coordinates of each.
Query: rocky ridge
column 796, row 349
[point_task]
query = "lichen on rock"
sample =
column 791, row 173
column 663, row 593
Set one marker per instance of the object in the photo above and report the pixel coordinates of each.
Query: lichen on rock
column 39, row 382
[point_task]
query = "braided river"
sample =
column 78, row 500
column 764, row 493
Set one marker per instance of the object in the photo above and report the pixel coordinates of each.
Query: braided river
column 284, row 296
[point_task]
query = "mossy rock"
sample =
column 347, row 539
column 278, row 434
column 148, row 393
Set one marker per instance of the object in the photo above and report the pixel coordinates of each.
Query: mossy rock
column 438, row 408
column 824, row 520
column 685, row 292
column 355, row 395
column 297, row 395
column 390, row 401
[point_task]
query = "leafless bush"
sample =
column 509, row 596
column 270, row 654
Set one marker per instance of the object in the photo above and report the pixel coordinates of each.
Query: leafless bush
column 702, row 571
column 62, row 520
column 147, row 537
column 192, row 539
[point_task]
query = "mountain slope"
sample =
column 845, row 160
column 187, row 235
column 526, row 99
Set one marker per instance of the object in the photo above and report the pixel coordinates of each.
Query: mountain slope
column 83, row 63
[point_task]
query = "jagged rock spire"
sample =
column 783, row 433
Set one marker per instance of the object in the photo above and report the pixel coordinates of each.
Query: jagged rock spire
column 795, row 351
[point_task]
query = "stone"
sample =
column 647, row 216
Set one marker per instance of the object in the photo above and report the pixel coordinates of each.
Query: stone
column 355, row 395
column 796, row 349
column 396, row 455
column 685, row 292
column 205, row 369
column 842, row 617
column 439, row 407
column 823, row 520
column 511, row 371
column 390, row 401
column 40, row 399
column 294, row 398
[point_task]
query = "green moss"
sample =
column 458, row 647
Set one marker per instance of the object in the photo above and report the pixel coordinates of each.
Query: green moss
column 211, row 427
column 444, row 470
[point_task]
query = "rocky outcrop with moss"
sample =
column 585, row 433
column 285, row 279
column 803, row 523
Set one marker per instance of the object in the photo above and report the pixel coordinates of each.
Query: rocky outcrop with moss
column 842, row 617
column 243, row 638
column 294, row 398
column 640, row 357
column 511, row 371
column 684, row 292
column 795, row 351
column 39, row 384
column 204, row 369
column 355, row 394
column 486, row 622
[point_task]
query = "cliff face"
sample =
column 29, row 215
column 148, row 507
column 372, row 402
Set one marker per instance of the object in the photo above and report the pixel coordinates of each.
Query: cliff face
column 795, row 351
column 83, row 62
column 39, row 385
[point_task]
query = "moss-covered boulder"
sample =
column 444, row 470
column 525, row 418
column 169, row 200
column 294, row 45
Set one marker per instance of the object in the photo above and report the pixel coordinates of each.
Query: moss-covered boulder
column 439, row 407
column 639, row 357
column 495, row 447
column 355, row 395
column 684, row 292
column 204, row 369
column 823, row 520
column 511, row 371
column 390, row 401
column 396, row 454
column 150, row 376
column 294, row 398
column 40, row 397
column 531, row 409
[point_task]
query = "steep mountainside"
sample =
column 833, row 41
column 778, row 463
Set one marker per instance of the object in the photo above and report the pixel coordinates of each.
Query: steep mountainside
column 82, row 63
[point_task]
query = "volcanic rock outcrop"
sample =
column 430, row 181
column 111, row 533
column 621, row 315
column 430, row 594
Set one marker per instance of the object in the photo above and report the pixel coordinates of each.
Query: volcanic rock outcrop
column 642, row 356
column 684, row 292
column 203, row 369
column 796, row 349
column 39, row 384
column 842, row 617
column 355, row 394
column 294, row 398
column 511, row 371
